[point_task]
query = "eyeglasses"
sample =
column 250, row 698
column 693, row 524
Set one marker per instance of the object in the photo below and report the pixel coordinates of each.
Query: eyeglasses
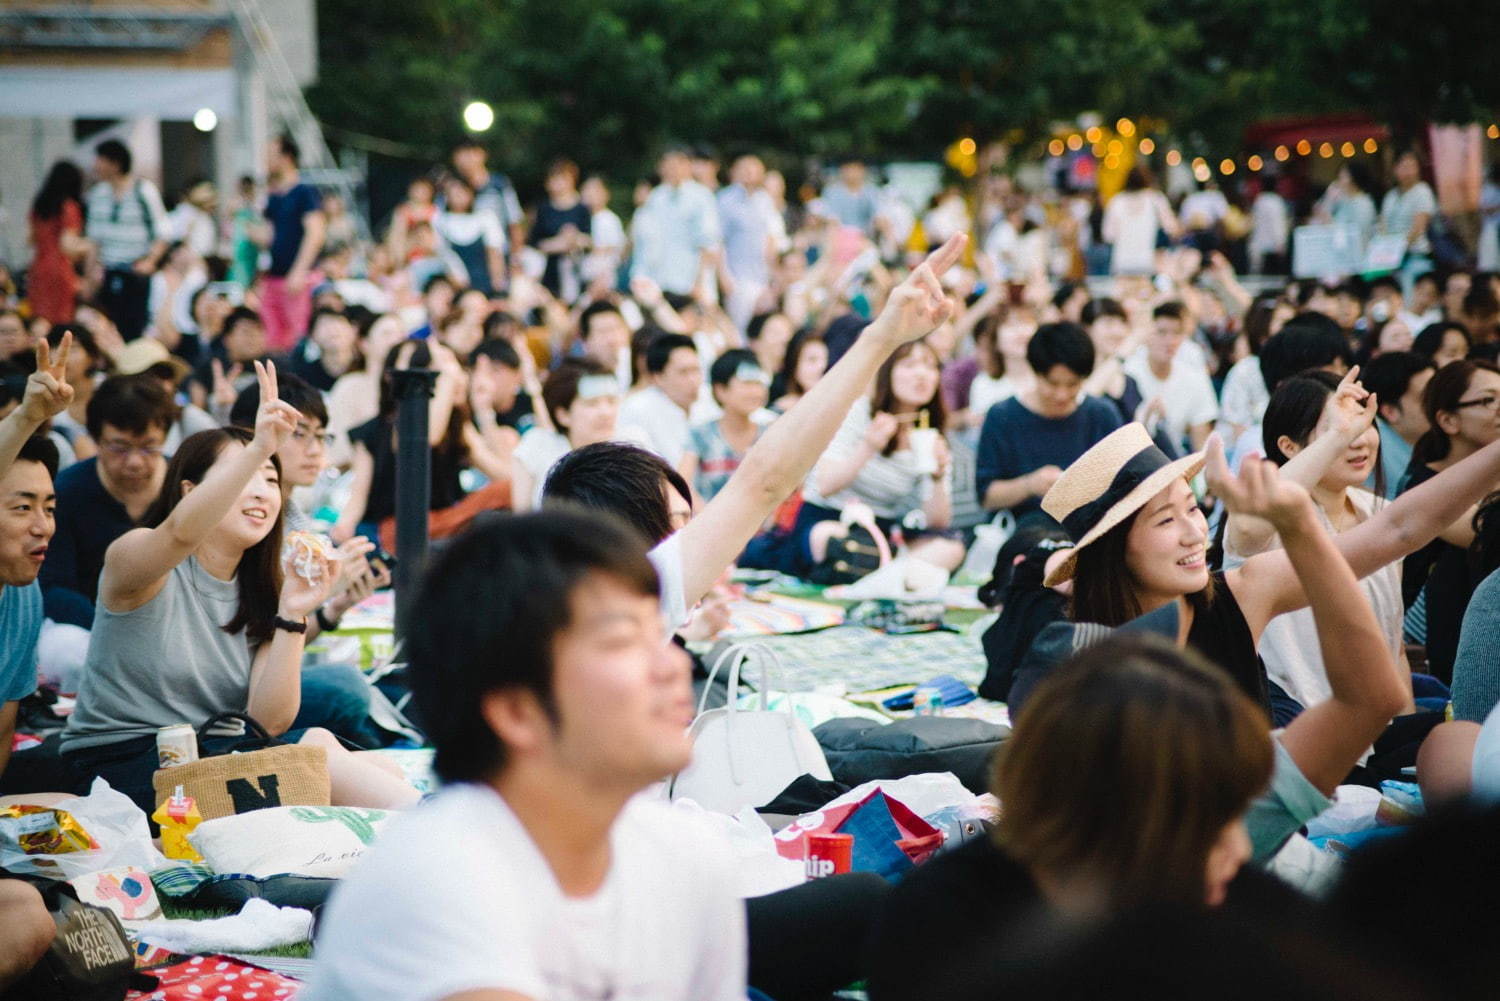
column 302, row 435
column 1490, row 403
column 122, row 450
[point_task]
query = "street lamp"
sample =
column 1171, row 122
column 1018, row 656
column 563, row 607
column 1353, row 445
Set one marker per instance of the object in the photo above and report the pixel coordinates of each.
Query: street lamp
column 478, row 116
column 205, row 120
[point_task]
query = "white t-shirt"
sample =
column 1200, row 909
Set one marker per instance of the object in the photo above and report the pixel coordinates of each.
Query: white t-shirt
column 1131, row 222
column 1245, row 397
column 667, row 559
column 469, row 227
column 1187, row 390
column 1289, row 645
column 456, row 897
column 665, row 423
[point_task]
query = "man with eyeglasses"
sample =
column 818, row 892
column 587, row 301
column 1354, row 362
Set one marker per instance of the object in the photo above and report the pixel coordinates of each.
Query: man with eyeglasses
column 102, row 498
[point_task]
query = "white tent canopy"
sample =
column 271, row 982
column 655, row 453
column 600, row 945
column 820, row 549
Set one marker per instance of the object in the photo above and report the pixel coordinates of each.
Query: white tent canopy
column 114, row 92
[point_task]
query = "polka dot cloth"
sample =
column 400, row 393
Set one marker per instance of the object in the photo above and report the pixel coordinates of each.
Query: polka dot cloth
column 217, row 978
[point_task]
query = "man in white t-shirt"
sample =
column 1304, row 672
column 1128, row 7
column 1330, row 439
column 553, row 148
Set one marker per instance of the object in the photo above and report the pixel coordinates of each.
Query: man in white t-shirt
column 692, row 552
column 662, row 409
column 1174, row 379
column 539, row 873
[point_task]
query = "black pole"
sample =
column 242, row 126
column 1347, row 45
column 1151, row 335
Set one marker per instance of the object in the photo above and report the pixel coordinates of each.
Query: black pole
column 413, row 388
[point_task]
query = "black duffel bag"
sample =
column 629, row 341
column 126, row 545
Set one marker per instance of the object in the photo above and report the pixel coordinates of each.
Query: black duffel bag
column 859, row 750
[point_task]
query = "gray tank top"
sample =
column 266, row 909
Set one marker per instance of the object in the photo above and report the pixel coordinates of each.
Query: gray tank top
column 167, row 662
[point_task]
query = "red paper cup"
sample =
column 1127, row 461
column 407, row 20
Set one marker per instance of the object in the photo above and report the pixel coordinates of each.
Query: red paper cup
column 829, row 854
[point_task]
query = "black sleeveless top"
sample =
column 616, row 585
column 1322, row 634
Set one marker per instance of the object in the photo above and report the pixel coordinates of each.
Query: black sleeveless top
column 1220, row 633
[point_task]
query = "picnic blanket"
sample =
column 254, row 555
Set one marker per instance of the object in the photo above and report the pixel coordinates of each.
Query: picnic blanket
column 859, row 659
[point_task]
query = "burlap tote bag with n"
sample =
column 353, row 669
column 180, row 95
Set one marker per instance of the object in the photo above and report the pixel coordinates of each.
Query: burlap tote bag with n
column 261, row 772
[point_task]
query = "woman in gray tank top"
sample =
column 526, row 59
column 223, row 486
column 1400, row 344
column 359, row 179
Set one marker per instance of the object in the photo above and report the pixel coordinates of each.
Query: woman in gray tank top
column 196, row 618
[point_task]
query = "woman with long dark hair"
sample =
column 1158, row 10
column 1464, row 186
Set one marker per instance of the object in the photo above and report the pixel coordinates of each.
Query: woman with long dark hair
column 195, row 618
column 1462, row 404
column 873, row 460
column 1141, row 542
column 1319, row 430
column 456, row 444
column 57, row 236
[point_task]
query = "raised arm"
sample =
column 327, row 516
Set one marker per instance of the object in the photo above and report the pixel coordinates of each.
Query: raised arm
column 1401, row 527
column 47, row 395
column 1347, row 414
column 781, row 459
column 138, row 561
column 1327, row 739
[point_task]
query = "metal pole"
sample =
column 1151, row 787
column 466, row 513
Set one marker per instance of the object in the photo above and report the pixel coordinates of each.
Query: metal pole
column 413, row 388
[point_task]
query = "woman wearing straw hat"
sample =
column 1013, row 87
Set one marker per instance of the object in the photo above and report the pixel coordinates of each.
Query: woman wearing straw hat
column 1141, row 543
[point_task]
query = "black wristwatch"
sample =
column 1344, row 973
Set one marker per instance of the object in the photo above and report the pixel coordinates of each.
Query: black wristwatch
column 288, row 625
column 326, row 624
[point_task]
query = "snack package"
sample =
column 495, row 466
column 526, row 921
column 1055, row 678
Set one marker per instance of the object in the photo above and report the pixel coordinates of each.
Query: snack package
column 304, row 553
column 42, row 830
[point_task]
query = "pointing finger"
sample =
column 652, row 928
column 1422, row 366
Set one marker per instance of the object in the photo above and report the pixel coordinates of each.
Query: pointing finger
column 947, row 255
column 43, row 355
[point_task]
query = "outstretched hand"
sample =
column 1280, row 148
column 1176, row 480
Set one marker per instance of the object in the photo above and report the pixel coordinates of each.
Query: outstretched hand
column 276, row 419
column 47, row 391
column 1258, row 491
column 919, row 304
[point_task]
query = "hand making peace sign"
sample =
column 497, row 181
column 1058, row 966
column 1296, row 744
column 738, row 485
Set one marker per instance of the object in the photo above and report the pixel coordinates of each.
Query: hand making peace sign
column 47, row 391
column 275, row 419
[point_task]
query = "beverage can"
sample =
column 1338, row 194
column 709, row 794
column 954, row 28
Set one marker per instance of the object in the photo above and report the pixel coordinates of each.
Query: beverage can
column 829, row 854
column 927, row 702
column 176, row 745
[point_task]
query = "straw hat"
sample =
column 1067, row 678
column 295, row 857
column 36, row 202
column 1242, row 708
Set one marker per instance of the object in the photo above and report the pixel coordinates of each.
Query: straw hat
column 147, row 352
column 1109, row 483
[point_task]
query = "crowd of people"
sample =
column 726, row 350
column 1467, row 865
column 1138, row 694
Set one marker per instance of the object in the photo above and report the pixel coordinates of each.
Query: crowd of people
column 1239, row 520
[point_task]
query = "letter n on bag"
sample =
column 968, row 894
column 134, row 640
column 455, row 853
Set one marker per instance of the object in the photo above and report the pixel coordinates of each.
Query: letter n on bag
column 248, row 797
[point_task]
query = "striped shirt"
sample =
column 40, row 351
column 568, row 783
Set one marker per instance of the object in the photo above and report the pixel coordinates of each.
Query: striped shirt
column 124, row 227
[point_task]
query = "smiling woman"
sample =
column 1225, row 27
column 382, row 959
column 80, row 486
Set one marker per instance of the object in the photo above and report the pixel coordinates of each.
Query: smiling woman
column 195, row 618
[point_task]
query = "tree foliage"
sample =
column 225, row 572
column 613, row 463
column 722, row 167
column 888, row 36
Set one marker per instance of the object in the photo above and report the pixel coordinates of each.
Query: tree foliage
column 607, row 82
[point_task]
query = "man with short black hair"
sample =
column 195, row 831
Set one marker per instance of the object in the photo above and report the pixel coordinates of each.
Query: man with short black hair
column 1028, row 440
column 553, row 699
column 493, row 192
column 1173, row 376
column 102, row 498
column 1397, row 378
column 676, row 232
column 327, row 351
column 605, row 337
column 28, row 464
column 229, row 366
column 294, row 233
column 1307, row 340
column 661, row 409
column 128, row 223
column 498, row 379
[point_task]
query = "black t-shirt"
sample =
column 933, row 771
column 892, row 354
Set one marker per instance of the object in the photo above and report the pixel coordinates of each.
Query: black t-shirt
column 972, row 921
column 521, row 415
column 306, row 362
column 1444, row 568
column 1220, row 632
column 549, row 222
column 378, row 439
